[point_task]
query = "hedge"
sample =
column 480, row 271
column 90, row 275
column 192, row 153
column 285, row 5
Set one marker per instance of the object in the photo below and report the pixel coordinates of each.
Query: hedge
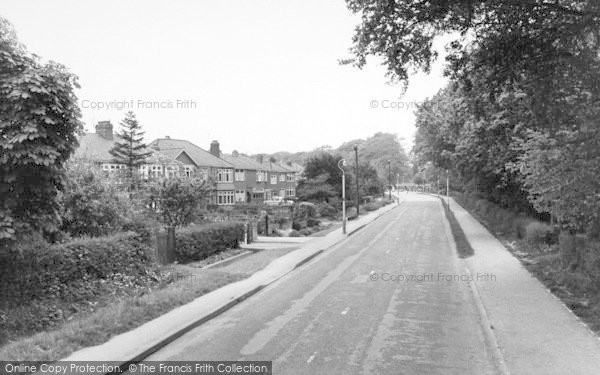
column 35, row 269
column 200, row 241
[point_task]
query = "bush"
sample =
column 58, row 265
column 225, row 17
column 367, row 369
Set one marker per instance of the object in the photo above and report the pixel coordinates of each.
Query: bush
column 198, row 242
column 351, row 213
column 537, row 233
column 306, row 232
column 372, row 206
column 34, row 268
column 298, row 225
column 294, row 233
column 324, row 209
column 313, row 222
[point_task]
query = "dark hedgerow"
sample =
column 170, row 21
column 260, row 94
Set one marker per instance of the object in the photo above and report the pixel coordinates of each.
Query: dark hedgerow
column 37, row 269
column 198, row 242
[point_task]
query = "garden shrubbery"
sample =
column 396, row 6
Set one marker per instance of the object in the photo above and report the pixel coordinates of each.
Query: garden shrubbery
column 198, row 242
column 34, row 269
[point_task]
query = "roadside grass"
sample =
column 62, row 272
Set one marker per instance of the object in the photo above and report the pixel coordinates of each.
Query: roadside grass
column 117, row 314
column 572, row 286
column 463, row 247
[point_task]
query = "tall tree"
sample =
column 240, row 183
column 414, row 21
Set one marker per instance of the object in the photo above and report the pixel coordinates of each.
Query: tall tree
column 130, row 149
column 39, row 122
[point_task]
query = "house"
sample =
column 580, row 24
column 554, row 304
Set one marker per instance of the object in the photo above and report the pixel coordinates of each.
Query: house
column 201, row 163
column 234, row 178
column 279, row 181
column 95, row 147
column 248, row 178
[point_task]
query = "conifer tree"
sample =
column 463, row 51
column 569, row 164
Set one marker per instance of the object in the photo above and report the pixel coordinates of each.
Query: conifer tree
column 130, row 149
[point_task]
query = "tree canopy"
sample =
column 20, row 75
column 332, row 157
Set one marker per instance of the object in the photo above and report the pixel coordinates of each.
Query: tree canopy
column 39, row 122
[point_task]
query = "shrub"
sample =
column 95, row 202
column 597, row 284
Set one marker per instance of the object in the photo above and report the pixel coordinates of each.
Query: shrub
column 306, row 232
column 294, row 233
column 371, row 206
column 313, row 222
column 198, row 242
column 537, row 233
column 35, row 269
column 351, row 213
column 298, row 225
column 324, row 209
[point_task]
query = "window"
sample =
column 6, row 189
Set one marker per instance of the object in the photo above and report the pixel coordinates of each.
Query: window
column 171, row 171
column 261, row 176
column 240, row 175
column 225, row 175
column 225, row 197
column 290, row 192
column 240, row 196
column 273, row 179
column 155, row 170
column 188, row 171
column 290, row 177
column 281, row 177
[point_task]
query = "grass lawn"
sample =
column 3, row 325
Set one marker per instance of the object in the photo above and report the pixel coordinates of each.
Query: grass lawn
column 121, row 312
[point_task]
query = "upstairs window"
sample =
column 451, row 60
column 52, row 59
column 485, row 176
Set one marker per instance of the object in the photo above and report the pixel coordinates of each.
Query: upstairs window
column 240, row 175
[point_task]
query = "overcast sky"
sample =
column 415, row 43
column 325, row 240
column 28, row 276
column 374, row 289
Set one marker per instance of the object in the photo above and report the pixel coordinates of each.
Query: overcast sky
column 256, row 75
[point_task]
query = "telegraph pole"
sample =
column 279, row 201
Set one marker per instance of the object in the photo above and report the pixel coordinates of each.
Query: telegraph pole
column 341, row 164
column 357, row 194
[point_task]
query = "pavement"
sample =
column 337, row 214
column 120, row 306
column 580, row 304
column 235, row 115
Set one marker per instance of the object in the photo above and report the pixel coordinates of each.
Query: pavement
column 138, row 343
column 535, row 332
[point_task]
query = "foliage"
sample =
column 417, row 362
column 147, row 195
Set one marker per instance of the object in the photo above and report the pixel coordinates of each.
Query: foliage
column 198, row 242
column 175, row 200
column 315, row 189
column 90, row 204
column 34, row 269
column 130, row 149
column 325, row 209
column 517, row 121
column 39, row 121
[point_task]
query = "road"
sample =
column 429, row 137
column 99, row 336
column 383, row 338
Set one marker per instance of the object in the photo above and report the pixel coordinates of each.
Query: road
column 348, row 311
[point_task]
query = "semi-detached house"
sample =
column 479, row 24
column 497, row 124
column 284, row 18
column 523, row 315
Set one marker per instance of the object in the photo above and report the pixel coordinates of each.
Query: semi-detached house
column 235, row 178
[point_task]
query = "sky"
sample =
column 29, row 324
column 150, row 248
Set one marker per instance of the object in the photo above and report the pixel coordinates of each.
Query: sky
column 259, row 76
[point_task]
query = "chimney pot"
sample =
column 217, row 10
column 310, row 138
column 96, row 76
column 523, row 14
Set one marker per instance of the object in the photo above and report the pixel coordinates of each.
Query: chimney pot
column 105, row 129
column 214, row 149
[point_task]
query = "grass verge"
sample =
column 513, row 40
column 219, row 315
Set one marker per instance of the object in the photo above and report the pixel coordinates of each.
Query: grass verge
column 572, row 286
column 120, row 313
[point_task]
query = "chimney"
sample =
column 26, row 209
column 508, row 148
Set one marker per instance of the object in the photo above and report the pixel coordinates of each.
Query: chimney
column 105, row 130
column 260, row 158
column 235, row 154
column 214, row 149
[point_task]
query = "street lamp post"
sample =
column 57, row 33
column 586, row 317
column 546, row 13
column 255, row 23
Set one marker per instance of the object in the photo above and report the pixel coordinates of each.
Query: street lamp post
column 447, row 189
column 357, row 195
column 341, row 164
column 390, row 179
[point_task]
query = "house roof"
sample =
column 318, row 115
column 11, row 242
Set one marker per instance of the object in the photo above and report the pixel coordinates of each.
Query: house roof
column 199, row 156
column 293, row 166
column 241, row 162
column 96, row 148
